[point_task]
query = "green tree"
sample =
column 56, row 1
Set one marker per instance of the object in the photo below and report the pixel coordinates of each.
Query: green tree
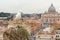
column 16, row 33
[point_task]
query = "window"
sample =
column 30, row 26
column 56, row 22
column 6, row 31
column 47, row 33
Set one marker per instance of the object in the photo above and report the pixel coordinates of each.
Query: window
column 58, row 19
column 38, row 36
column 53, row 20
column 50, row 20
column 57, row 36
column 57, row 31
column 46, row 20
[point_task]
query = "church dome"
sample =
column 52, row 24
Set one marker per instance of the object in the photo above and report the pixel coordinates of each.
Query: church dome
column 51, row 8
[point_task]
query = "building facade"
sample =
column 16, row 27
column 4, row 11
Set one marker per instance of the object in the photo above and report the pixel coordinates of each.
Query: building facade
column 49, row 32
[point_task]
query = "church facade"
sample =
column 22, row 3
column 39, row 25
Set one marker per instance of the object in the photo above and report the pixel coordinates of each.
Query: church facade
column 50, row 25
column 51, row 16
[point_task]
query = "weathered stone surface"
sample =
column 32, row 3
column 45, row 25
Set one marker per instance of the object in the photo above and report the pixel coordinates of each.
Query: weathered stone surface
column 17, row 33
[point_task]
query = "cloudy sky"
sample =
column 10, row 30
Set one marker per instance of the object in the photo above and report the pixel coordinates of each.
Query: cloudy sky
column 28, row 6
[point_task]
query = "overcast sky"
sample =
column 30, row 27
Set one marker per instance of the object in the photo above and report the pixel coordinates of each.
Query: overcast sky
column 28, row 6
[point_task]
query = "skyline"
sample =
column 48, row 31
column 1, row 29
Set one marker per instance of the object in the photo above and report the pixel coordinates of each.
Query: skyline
column 28, row 6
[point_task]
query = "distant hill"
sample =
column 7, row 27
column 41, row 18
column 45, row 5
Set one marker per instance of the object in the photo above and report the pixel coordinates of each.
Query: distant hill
column 2, row 14
column 6, row 16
